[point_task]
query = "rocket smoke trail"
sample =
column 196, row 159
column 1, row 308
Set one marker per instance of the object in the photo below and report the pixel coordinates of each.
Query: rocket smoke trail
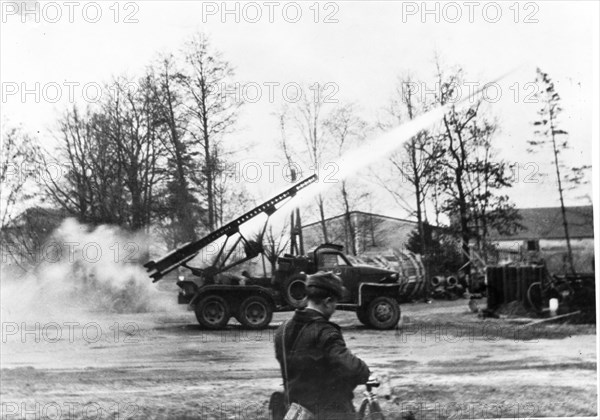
column 370, row 152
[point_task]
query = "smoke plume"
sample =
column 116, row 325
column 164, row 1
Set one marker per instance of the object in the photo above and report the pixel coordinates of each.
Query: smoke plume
column 89, row 270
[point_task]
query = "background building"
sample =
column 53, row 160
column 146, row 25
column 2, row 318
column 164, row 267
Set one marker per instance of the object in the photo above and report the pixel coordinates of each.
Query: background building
column 543, row 237
column 360, row 232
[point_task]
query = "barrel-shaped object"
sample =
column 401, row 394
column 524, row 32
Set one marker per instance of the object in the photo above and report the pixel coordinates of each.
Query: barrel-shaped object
column 451, row 282
column 510, row 283
column 438, row 281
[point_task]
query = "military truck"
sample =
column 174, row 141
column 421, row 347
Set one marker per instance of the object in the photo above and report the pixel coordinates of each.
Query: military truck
column 372, row 292
column 215, row 294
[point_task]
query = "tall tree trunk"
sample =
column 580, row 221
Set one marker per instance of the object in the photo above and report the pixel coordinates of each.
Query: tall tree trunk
column 186, row 231
column 560, row 192
column 209, row 183
column 464, row 224
column 322, row 216
column 208, row 161
column 348, row 220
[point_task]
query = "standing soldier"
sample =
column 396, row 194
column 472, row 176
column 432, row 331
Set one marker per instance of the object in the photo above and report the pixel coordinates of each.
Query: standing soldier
column 321, row 372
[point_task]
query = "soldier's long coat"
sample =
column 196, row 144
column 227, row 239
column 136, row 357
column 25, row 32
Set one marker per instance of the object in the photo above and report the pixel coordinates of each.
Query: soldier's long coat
column 322, row 372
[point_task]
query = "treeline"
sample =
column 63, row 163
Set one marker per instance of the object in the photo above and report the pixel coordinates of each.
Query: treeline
column 151, row 152
column 448, row 174
column 452, row 169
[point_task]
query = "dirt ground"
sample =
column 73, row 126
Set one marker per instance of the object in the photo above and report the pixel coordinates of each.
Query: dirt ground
column 441, row 363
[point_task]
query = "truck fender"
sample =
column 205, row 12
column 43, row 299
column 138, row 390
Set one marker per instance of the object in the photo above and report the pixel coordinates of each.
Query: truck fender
column 368, row 291
column 188, row 290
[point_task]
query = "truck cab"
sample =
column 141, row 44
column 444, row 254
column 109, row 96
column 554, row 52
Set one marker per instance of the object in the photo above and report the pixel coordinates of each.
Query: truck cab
column 330, row 257
column 372, row 292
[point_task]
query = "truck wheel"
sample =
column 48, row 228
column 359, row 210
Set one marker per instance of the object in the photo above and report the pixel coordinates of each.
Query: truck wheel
column 255, row 312
column 212, row 312
column 383, row 313
column 294, row 291
column 361, row 314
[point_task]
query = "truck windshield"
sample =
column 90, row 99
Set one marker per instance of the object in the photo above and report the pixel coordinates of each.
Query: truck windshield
column 329, row 260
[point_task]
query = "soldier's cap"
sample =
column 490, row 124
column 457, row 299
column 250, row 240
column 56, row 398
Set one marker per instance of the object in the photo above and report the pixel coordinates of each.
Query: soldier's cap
column 326, row 280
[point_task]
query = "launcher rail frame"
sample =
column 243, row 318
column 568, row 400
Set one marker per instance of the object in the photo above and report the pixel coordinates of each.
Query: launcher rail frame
column 180, row 256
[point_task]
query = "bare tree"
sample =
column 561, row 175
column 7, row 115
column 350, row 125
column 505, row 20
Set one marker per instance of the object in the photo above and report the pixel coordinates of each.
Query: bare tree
column 24, row 237
column 181, row 205
column 296, row 242
column 212, row 111
column 112, row 156
column 130, row 121
column 90, row 170
column 150, row 155
column 231, row 197
column 309, row 119
column 347, row 129
column 488, row 175
column 20, row 163
column 20, row 175
column 470, row 184
column 274, row 244
column 454, row 137
column 548, row 132
column 417, row 162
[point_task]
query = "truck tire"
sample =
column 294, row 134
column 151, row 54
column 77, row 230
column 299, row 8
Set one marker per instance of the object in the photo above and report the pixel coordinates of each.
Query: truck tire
column 383, row 313
column 361, row 314
column 212, row 312
column 255, row 312
column 294, row 291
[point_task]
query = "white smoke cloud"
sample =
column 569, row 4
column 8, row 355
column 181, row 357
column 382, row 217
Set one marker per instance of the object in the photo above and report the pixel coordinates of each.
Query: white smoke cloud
column 85, row 270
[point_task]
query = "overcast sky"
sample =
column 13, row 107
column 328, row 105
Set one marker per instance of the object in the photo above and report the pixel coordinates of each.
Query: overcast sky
column 359, row 47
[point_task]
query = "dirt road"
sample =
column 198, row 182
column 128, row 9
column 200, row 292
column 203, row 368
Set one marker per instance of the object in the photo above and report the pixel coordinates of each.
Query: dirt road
column 442, row 362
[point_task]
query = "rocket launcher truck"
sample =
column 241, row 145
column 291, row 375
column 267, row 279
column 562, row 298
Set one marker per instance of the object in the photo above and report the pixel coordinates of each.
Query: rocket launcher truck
column 372, row 292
